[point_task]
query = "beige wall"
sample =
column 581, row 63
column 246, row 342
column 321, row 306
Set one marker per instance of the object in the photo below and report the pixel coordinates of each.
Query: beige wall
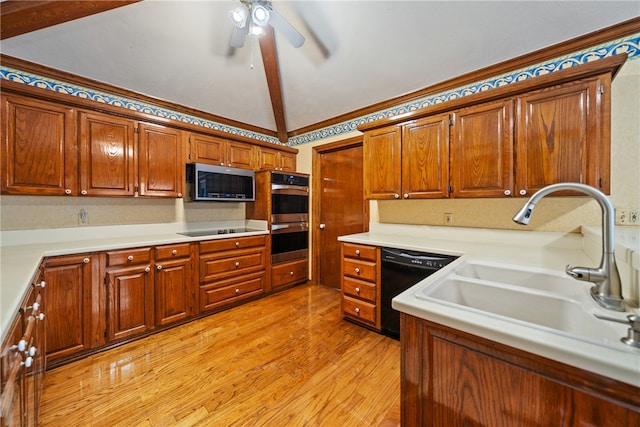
column 557, row 214
column 553, row 214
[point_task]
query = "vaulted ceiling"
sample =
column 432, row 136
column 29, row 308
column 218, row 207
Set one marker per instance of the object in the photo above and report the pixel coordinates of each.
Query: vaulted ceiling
column 357, row 53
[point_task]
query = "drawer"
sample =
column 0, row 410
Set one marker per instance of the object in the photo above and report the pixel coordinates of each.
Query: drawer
column 289, row 273
column 352, row 250
column 182, row 250
column 364, row 270
column 230, row 243
column 240, row 262
column 128, row 256
column 359, row 289
column 222, row 293
column 360, row 310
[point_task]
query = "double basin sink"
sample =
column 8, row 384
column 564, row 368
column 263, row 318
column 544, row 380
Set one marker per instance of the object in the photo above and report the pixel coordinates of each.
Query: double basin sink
column 539, row 298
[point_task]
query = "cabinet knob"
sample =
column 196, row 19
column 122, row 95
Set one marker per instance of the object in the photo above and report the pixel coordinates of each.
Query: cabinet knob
column 22, row 345
column 174, row 252
column 291, row 274
column 237, row 244
column 358, row 310
column 237, row 264
column 28, row 362
column 83, row 192
column 179, row 195
column 32, row 351
column 397, row 196
column 35, row 306
column 357, row 290
column 67, row 191
column 87, row 260
column 42, row 284
column 507, row 192
column 130, row 258
column 406, row 195
column 357, row 270
column 237, row 291
column 523, row 192
column 358, row 252
column 159, row 267
column 323, row 226
column 148, row 269
column 40, row 316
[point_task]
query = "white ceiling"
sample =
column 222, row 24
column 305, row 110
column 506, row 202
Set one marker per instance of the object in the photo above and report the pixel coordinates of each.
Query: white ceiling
column 178, row 50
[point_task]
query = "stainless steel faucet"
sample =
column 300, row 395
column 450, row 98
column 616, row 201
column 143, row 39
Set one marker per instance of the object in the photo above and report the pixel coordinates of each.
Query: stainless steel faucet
column 607, row 289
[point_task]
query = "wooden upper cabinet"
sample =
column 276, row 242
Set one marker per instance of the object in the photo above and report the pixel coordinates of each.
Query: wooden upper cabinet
column 161, row 162
column 382, row 163
column 218, row 151
column 39, row 151
column 276, row 160
column 425, row 158
column 482, row 150
column 563, row 135
column 107, row 155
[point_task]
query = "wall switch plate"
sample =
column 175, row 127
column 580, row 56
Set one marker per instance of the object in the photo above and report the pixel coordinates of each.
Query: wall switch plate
column 634, row 216
column 448, row 218
column 622, row 216
column 83, row 217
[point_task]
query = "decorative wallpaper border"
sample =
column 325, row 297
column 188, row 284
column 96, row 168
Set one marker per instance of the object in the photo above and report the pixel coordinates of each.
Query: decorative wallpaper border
column 629, row 45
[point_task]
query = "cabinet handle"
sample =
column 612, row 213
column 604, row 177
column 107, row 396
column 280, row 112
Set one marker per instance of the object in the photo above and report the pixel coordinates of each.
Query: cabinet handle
column 397, row 196
column 32, row 351
column 179, row 195
column 237, row 264
column 27, row 362
column 237, row 244
column 83, row 192
column 148, row 269
column 86, row 260
column 130, row 258
column 40, row 285
column 357, row 270
column 67, row 191
column 323, row 226
column 35, row 306
column 358, row 310
column 174, row 252
column 237, row 291
column 357, row 290
column 406, row 195
column 40, row 316
column 291, row 274
column 523, row 192
column 159, row 267
column 358, row 252
column 22, row 345
column 507, row 192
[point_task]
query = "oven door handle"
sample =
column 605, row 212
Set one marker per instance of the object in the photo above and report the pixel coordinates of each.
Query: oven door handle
column 293, row 190
column 291, row 227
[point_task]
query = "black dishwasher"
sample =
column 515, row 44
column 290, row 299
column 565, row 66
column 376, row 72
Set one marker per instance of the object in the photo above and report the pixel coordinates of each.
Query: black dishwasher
column 401, row 269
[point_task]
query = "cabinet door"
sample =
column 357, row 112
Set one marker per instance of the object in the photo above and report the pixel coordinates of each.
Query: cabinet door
column 161, row 165
column 39, row 153
column 382, row 163
column 130, row 301
column 240, row 155
column 72, row 288
column 425, row 158
column 107, row 155
column 481, row 148
column 208, row 149
column 287, row 162
column 173, row 290
column 12, row 377
column 268, row 159
column 560, row 137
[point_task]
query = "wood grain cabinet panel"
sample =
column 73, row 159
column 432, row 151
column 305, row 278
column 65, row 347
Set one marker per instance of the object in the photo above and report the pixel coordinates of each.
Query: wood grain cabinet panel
column 161, row 164
column 12, row 376
column 222, row 152
column 360, row 284
column 72, row 310
column 276, row 160
column 383, row 163
column 563, row 136
column 39, row 149
column 174, row 289
column 289, row 273
column 108, row 152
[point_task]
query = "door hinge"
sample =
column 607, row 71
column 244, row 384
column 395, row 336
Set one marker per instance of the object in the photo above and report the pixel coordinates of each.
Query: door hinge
column 452, row 120
column 135, row 129
column 601, row 88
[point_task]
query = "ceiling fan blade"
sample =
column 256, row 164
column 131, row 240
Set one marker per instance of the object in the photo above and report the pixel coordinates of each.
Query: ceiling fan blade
column 239, row 35
column 286, row 29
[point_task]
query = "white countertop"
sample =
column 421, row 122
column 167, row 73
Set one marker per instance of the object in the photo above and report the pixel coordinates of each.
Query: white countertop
column 547, row 250
column 22, row 251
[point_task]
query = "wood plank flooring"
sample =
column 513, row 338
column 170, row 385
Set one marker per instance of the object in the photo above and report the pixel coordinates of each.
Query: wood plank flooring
column 285, row 360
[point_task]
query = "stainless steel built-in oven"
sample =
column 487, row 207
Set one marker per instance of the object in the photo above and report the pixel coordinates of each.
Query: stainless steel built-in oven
column 289, row 216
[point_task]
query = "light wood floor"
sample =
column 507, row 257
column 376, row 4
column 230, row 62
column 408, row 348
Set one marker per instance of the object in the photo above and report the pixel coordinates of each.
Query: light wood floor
column 285, row 360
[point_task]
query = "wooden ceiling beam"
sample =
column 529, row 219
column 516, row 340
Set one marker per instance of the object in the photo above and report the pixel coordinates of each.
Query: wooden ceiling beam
column 272, row 71
column 20, row 17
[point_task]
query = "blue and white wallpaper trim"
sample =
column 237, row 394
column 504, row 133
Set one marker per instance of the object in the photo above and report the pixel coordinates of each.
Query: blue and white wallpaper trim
column 629, row 45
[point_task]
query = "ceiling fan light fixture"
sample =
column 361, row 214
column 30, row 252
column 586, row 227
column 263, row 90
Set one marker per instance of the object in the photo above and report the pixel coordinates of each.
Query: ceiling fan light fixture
column 260, row 15
column 239, row 16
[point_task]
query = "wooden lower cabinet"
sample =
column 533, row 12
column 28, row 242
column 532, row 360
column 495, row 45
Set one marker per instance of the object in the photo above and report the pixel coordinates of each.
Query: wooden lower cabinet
column 13, row 374
column 289, row 273
column 231, row 270
column 360, row 274
column 451, row 378
column 174, row 291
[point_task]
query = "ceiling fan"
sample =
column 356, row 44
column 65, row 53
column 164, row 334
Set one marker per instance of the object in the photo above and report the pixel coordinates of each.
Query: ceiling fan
column 251, row 18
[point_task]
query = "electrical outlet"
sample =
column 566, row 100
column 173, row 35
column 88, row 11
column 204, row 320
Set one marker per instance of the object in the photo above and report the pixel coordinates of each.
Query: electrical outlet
column 622, row 216
column 448, row 218
column 83, row 217
column 634, row 216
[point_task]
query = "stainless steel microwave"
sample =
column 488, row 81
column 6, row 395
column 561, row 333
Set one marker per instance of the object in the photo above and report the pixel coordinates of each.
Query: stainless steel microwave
column 219, row 183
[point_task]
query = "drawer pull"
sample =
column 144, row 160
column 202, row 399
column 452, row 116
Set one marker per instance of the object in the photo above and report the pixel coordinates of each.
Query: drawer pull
column 357, row 270
column 357, row 290
column 237, row 244
column 358, row 252
column 291, row 274
column 32, row 351
column 148, row 269
column 174, row 252
column 86, row 260
column 130, row 258
column 40, row 316
column 27, row 362
column 237, row 291
column 41, row 284
column 237, row 264
column 358, row 310
column 159, row 267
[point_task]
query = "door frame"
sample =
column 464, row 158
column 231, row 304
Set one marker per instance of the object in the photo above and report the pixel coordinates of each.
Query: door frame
column 316, row 171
